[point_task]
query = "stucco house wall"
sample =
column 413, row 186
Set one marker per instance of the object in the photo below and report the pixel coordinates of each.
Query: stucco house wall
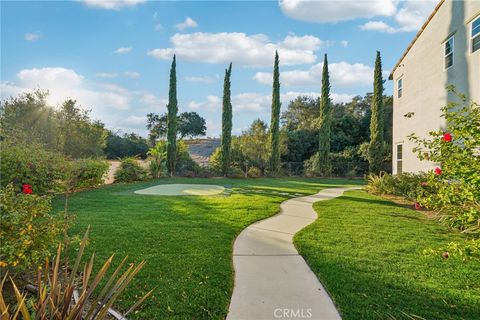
column 424, row 78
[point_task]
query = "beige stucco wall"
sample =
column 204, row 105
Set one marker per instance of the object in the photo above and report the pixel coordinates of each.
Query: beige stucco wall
column 425, row 78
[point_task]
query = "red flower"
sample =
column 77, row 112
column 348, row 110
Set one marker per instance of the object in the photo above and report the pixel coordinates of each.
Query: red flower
column 438, row 171
column 447, row 137
column 417, row 206
column 26, row 188
column 424, row 184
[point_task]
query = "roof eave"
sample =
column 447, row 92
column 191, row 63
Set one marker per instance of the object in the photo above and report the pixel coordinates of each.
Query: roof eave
column 390, row 77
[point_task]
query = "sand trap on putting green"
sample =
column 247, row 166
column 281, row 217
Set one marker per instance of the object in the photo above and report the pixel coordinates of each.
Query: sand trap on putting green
column 182, row 190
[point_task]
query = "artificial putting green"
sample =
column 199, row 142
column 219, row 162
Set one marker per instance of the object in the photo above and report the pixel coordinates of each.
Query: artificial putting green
column 182, row 190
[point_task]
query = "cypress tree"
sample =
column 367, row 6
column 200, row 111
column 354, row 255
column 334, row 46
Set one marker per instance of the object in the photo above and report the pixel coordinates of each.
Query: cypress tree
column 226, row 122
column 324, row 165
column 274, row 160
column 172, row 120
column 375, row 149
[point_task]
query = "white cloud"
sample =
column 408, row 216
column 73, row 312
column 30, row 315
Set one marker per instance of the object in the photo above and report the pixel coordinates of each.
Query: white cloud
column 123, row 50
column 258, row 103
column 106, row 75
column 336, row 97
column 65, row 83
column 212, row 103
column 204, row 79
column 251, row 102
column 341, row 74
column 188, row 23
column 245, row 50
column 138, row 120
column 413, row 14
column 50, row 77
column 153, row 101
column 335, row 11
column 409, row 17
column 302, row 43
column 112, row 4
column 109, row 102
column 32, row 36
column 132, row 74
column 344, row 43
column 378, row 26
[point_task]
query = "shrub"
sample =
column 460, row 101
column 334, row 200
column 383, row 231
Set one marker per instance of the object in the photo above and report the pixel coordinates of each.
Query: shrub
column 254, row 172
column 185, row 163
column 466, row 250
column 236, row 173
column 88, row 173
column 380, row 184
column 215, row 162
column 455, row 183
column 348, row 162
column 30, row 163
column 405, row 185
column 130, row 171
column 314, row 168
column 28, row 231
column 157, row 157
column 56, row 290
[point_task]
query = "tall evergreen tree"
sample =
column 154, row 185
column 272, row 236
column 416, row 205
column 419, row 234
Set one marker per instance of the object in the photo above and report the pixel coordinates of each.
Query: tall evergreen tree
column 226, row 122
column 274, row 161
column 375, row 149
column 172, row 120
column 324, row 165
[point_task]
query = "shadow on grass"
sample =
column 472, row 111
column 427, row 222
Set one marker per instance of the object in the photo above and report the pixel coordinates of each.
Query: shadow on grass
column 382, row 202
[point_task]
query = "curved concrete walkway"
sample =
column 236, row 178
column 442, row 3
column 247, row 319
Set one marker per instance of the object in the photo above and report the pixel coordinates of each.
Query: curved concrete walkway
column 272, row 281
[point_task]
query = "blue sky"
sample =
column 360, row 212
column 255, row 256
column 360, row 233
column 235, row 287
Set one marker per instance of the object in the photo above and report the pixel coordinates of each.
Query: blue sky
column 114, row 56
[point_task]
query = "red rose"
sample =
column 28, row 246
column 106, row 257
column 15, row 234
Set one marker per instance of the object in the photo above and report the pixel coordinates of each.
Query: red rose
column 438, row 171
column 447, row 137
column 424, row 184
column 417, row 206
column 26, row 188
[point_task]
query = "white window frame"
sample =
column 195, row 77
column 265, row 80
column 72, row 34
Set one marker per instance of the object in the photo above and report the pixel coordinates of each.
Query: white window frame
column 400, row 87
column 474, row 37
column 399, row 160
column 452, row 52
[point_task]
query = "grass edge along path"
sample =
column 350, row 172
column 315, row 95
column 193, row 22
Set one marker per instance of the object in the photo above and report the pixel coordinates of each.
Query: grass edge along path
column 368, row 253
column 187, row 241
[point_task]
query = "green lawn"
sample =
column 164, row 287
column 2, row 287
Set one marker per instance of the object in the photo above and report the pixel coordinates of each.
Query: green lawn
column 186, row 240
column 368, row 254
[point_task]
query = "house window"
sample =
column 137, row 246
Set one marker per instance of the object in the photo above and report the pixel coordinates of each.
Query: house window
column 449, row 52
column 399, row 158
column 399, row 88
column 476, row 35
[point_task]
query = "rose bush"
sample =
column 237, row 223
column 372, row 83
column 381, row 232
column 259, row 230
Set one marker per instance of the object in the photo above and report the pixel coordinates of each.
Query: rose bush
column 453, row 188
column 28, row 229
column 31, row 164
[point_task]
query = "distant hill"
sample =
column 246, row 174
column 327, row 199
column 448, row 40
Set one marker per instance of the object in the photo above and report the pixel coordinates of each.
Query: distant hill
column 202, row 149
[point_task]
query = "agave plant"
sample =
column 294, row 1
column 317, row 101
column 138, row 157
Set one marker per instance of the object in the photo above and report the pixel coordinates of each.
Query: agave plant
column 58, row 298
